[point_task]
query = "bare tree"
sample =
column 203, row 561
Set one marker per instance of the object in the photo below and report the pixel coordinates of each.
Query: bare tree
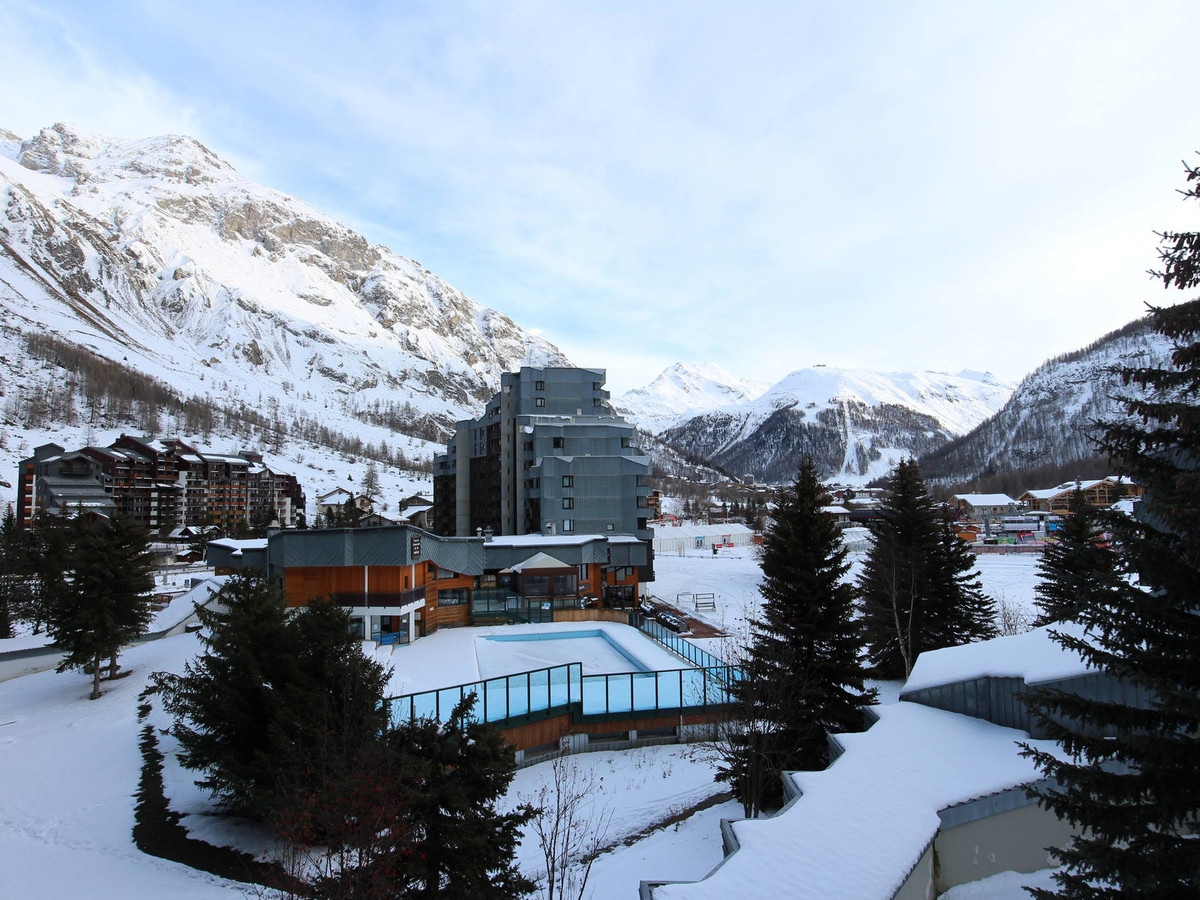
column 570, row 827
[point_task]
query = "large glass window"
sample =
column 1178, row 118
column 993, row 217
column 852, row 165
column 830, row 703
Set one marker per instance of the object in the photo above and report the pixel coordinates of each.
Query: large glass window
column 454, row 597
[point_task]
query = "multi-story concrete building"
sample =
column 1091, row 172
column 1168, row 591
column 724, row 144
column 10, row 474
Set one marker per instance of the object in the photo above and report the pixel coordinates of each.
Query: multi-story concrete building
column 547, row 456
column 160, row 484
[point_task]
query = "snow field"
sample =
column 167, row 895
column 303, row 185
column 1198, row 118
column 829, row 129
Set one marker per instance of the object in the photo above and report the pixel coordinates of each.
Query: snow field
column 69, row 767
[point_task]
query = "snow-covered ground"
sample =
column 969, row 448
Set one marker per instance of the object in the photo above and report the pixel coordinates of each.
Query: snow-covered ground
column 69, row 767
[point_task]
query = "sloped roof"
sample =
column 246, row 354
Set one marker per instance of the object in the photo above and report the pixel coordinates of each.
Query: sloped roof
column 986, row 499
column 541, row 561
column 860, row 825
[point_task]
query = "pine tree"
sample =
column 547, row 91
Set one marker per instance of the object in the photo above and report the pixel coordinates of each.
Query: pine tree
column 463, row 847
column 804, row 676
column 918, row 587
column 227, row 703
column 1129, row 782
column 1075, row 565
column 14, row 564
column 960, row 612
column 103, row 600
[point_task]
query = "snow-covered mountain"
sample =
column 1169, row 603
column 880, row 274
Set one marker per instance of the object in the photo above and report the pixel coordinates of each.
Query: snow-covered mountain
column 856, row 423
column 158, row 252
column 1051, row 417
column 683, row 391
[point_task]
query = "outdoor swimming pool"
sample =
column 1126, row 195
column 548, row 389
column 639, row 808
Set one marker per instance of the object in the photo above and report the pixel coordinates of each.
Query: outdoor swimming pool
column 528, row 673
column 594, row 649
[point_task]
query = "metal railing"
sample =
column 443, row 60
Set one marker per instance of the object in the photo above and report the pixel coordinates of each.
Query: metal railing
column 676, row 644
column 540, row 693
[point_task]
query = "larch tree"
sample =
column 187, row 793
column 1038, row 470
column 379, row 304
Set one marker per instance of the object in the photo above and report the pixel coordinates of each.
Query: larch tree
column 803, row 676
column 1128, row 781
column 918, row 585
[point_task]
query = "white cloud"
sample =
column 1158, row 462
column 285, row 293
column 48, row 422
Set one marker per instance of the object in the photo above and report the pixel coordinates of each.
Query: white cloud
column 864, row 185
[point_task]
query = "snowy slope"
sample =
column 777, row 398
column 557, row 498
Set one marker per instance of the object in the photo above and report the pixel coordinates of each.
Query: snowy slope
column 1051, row 417
column 160, row 252
column 857, row 423
column 683, row 391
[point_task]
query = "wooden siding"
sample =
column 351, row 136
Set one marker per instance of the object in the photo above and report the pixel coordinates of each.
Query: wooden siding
column 548, row 731
column 592, row 615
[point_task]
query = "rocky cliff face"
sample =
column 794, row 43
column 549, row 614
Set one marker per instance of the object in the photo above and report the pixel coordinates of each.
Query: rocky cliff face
column 159, row 253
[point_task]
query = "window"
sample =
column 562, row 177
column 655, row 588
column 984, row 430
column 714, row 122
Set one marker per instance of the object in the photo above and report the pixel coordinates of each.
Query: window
column 568, row 481
column 454, row 597
column 558, row 443
column 443, row 574
column 568, row 502
column 626, row 442
column 597, row 401
column 539, row 401
column 539, row 385
column 597, row 385
column 641, row 502
column 610, row 527
column 641, row 523
column 568, row 525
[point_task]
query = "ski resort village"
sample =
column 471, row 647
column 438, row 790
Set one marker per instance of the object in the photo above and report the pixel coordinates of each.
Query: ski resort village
column 613, row 648
column 322, row 580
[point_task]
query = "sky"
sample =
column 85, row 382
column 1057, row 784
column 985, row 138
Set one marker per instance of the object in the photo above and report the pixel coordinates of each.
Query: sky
column 766, row 186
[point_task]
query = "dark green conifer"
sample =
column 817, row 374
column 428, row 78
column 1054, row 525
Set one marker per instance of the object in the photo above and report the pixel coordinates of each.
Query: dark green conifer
column 804, row 674
column 1129, row 781
column 1078, row 563
column 918, row 585
column 462, row 846
column 101, row 602
column 228, row 703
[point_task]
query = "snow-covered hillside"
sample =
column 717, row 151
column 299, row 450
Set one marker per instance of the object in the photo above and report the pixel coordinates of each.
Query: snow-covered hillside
column 1051, row 417
column 685, row 390
column 857, row 423
column 159, row 252
column 159, row 255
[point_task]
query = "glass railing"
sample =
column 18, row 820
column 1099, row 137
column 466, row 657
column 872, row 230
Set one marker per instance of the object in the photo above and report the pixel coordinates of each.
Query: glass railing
column 677, row 644
column 523, row 695
column 557, row 689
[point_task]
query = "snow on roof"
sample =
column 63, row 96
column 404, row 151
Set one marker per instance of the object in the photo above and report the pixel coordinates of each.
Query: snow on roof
column 234, row 544
column 1034, row 656
column 550, row 540
column 835, row 510
column 986, row 499
column 862, row 824
column 687, row 529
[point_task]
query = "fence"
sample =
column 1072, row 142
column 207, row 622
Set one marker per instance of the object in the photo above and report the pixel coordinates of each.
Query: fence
column 676, row 644
column 538, row 694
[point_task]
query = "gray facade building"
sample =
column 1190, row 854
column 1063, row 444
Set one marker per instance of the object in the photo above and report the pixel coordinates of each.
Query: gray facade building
column 547, row 456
